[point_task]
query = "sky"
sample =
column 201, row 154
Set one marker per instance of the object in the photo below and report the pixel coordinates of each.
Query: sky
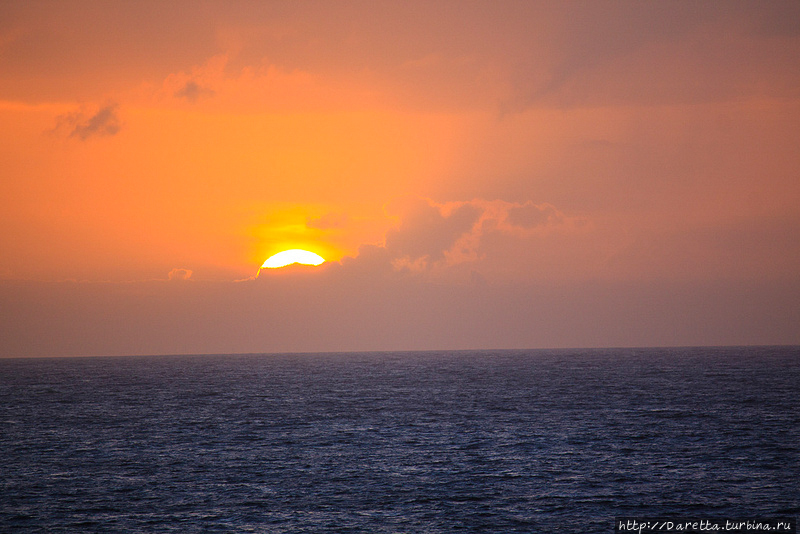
column 478, row 175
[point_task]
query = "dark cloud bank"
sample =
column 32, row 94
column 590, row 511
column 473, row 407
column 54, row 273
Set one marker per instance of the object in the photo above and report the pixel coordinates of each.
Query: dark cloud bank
column 398, row 296
column 354, row 307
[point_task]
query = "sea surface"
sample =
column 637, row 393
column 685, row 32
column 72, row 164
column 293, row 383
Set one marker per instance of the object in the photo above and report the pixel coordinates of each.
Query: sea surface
column 423, row 442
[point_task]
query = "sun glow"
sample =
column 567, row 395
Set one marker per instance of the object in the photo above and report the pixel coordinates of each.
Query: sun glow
column 289, row 257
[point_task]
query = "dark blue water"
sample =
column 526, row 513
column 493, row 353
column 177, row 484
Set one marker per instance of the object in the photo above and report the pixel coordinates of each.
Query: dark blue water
column 513, row 441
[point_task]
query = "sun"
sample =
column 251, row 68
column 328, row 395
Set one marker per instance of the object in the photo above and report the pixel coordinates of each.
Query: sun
column 289, row 257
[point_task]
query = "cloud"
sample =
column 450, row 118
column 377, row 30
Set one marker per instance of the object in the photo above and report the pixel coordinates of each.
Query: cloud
column 427, row 230
column 530, row 215
column 191, row 91
column 451, row 239
column 180, row 274
column 644, row 54
column 344, row 312
column 519, row 240
column 83, row 125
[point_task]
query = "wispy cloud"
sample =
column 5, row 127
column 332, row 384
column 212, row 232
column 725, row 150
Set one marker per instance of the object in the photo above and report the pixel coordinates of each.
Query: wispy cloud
column 105, row 121
column 192, row 91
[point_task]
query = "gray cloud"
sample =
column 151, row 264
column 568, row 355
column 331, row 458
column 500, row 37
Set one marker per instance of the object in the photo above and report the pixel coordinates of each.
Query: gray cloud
column 343, row 312
column 192, row 91
column 451, row 239
column 425, row 232
column 104, row 122
column 530, row 215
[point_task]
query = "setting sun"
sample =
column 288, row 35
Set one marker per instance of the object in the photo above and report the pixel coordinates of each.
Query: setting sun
column 289, row 257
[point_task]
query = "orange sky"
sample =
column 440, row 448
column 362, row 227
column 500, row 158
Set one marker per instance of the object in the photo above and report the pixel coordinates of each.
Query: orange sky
column 542, row 164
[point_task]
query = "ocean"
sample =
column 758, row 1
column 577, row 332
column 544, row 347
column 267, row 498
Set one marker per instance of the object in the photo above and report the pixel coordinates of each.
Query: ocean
column 527, row 441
